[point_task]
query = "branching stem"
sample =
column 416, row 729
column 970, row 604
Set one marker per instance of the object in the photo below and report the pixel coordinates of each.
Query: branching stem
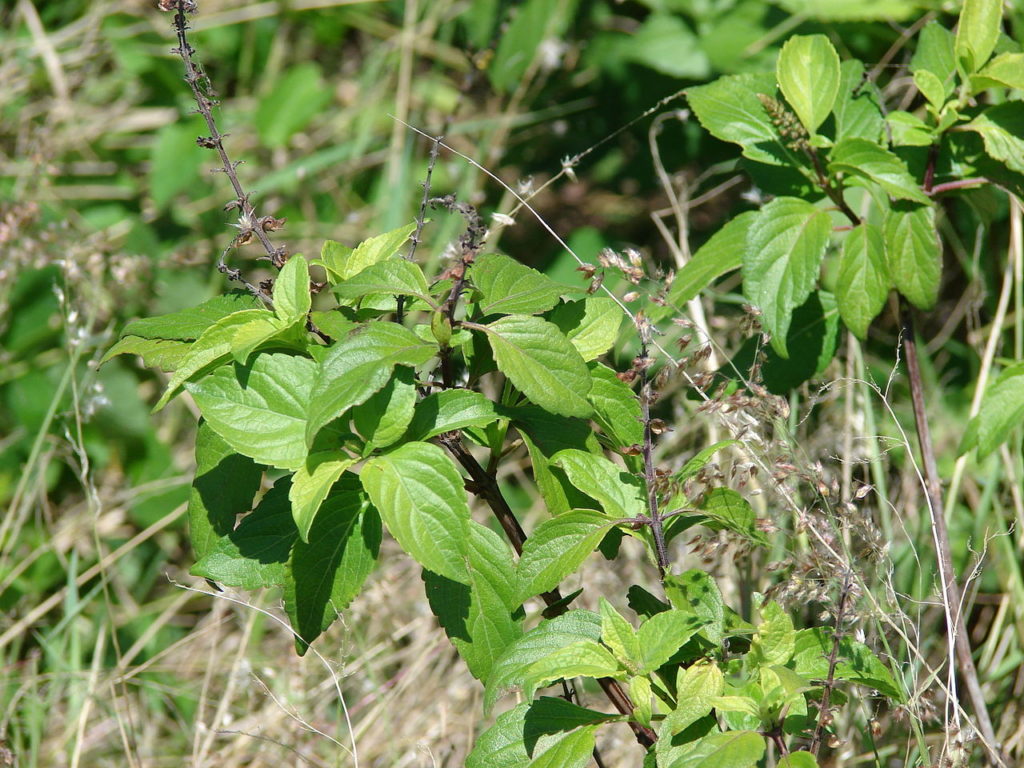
column 249, row 223
column 205, row 103
column 486, row 487
column 824, row 715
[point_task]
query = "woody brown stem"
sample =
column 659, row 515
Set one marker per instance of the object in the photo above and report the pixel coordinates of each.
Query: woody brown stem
column 486, row 487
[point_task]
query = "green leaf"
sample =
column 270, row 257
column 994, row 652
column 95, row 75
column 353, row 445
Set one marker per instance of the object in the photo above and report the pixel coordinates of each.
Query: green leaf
column 857, row 663
column 616, row 408
column 696, row 687
column 909, row 130
column 1002, row 411
column 619, row 635
column 1006, row 70
column 224, row 487
column 858, row 110
column 726, row 510
column 935, row 53
column 260, row 408
column 548, row 636
column 697, row 593
column 165, row 354
column 448, row 410
column 744, row 705
column 722, row 253
column 641, row 693
column 255, row 554
column 663, row 634
column 420, row 495
column 212, row 346
column 811, row 344
column 699, row 460
column 583, row 658
column 327, row 573
column 333, row 258
column 311, row 483
column 343, row 263
column 775, row 640
column 914, row 253
column 189, row 324
column 730, row 110
column 591, row 324
column 864, row 281
column 798, row 760
column 1002, row 129
column 248, row 337
column 292, row 299
column 620, row 493
column 360, row 364
column 667, row 45
column 783, row 691
column 545, row 435
column 643, row 603
column 384, row 417
column 808, row 75
column 557, row 548
column 534, row 735
column 520, row 41
column 394, row 276
column 332, row 322
column 862, row 159
column 735, row 749
column 574, row 750
column 785, row 246
column 491, row 558
column 293, row 101
column 977, row 32
column 844, row 10
column 931, row 88
column 478, row 618
column 475, row 619
column 541, row 363
column 508, row 287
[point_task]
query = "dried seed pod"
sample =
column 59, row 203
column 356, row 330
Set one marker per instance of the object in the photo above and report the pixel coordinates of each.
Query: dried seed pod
column 270, row 224
column 642, row 362
column 588, row 270
column 659, row 427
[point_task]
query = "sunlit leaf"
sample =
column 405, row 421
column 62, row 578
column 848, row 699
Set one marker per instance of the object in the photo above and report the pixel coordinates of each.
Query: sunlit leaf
column 420, row 495
column 785, row 246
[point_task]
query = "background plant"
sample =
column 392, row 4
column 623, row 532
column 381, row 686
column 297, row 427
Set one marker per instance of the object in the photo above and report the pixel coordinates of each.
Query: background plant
column 683, row 442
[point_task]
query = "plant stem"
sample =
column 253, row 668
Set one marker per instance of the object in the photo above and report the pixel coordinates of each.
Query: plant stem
column 958, row 637
column 194, row 77
column 486, row 487
column 249, row 223
column 949, row 186
column 421, row 217
column 835, row 195
column 824, row 717
column 657, row 530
